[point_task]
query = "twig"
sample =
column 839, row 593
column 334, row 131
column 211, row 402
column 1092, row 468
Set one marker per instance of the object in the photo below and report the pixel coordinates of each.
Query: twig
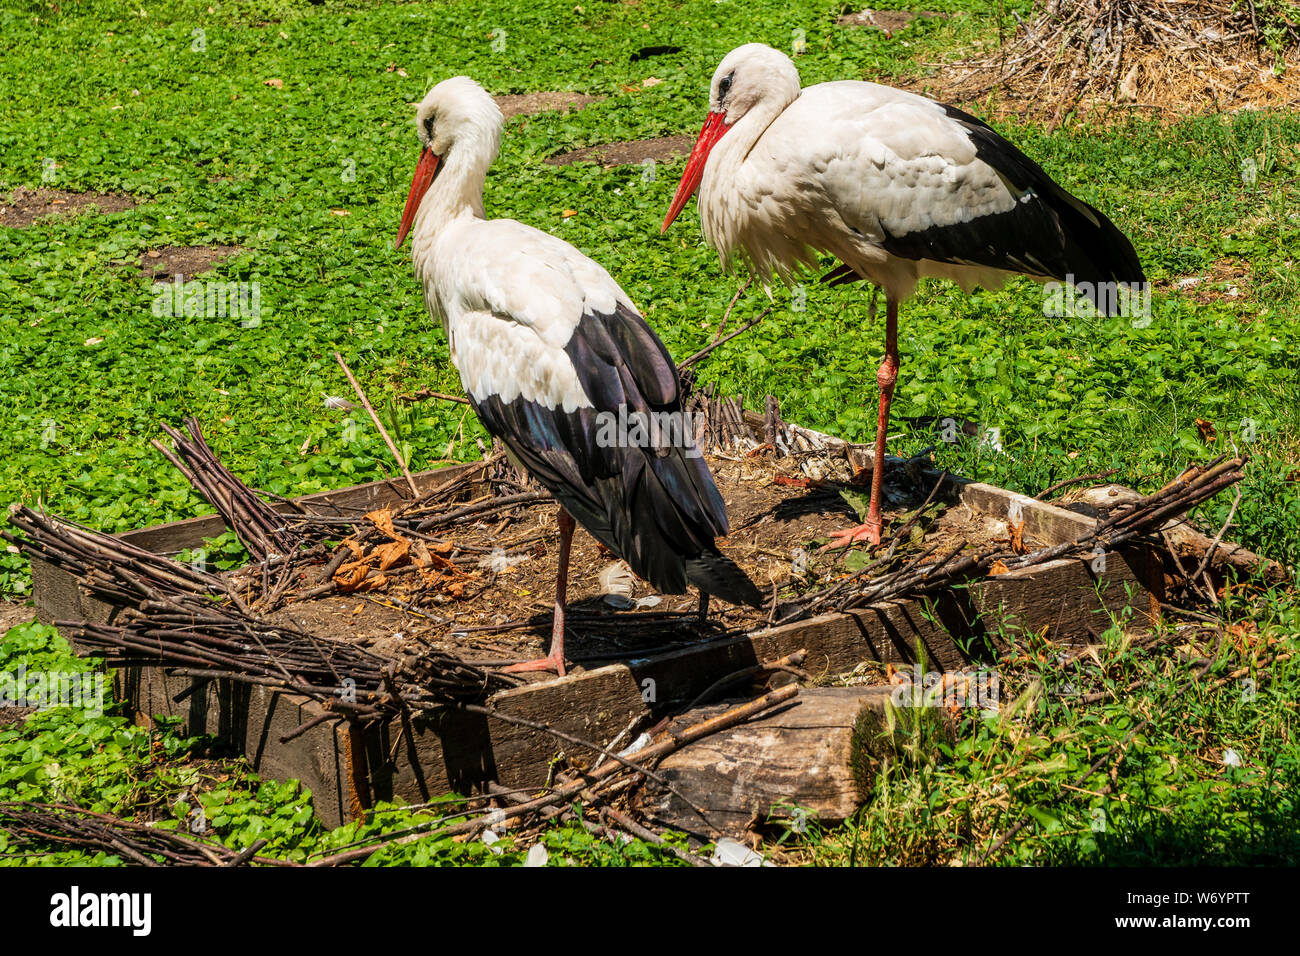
column 1074, row 481
column 426, row 393
column 356, row 387
column 726, row 316
column 1209, row 552
column 567, row 792
column 692, row 360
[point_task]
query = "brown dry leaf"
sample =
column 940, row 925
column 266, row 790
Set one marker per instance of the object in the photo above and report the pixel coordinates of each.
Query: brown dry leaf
column 1016, row 532
column 394, row 552
column 425, row 557
column 383, row 520
column 431, row 579
column 999, row 567
column 357, row 583
column 349, row 576
column 1206, row 428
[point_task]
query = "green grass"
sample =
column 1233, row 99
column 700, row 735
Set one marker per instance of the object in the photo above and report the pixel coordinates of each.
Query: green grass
column 130, row 97
column 102, row 762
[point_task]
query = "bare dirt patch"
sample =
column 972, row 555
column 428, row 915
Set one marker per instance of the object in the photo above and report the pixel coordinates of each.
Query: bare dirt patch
column 492, row 603
column 888, row 22
column 1226, row 280
column 524, row 104
column 662, row 149
column 186, row 261
column 13, row 614
column 27, row 206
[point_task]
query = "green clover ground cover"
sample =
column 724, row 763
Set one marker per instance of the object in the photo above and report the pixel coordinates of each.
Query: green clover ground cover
column 169, row 101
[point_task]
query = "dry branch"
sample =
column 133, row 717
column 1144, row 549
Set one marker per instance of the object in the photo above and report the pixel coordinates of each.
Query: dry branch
column 40, row 825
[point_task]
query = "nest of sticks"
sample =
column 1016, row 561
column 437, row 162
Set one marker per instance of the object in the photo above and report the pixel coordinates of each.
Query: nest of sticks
column 211, row 626
column 1169, row 56
column 224, row 626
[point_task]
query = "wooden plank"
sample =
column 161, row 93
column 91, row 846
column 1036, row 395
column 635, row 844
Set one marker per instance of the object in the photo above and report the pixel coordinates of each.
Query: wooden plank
column 252, row 719
column 1072, row 598
column 803, row 755
column 458, row 751
column 1043, row 522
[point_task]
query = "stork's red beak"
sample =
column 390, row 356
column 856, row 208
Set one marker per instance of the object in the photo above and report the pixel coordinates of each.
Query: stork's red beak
column 425, row 170
column 713, row 129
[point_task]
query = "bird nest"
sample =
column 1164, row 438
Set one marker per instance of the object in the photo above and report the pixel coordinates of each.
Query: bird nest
column 1173, row 57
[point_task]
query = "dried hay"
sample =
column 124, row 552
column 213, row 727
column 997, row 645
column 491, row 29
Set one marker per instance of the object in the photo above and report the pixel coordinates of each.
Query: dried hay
column 1172, row 57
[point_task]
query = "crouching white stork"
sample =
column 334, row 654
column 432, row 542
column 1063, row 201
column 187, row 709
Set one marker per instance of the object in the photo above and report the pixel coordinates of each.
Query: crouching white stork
column 897, row 187
column 551, row 353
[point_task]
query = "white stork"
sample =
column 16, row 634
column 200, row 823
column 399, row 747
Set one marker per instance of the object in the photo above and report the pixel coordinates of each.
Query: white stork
column 894, row 185
column 545, row 341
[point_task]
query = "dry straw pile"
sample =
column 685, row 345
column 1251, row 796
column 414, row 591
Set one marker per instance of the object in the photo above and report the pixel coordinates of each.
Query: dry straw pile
column 1169, row 56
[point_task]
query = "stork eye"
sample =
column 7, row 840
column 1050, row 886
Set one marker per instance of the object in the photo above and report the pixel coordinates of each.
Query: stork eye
column 724, row 86
column 428, row 128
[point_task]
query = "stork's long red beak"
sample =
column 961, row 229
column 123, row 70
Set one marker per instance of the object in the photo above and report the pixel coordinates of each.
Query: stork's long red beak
column 425, row 170
column 712, row 131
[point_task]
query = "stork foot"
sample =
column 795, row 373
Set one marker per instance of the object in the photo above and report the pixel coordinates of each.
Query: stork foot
column 864, row 533
column 554, row 663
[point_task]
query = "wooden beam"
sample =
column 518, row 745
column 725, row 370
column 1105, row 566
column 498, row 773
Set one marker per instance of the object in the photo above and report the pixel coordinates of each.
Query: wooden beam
column 803, row 756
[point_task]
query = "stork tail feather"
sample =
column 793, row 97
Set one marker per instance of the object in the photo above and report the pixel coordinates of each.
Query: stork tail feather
column 716, row 574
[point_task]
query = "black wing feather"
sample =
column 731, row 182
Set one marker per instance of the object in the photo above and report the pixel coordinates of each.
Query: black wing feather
column 656, row 507
column 1049, row 234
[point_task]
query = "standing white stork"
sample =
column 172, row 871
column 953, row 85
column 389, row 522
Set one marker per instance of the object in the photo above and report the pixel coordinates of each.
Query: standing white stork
column 894, row 185
column 545, row 341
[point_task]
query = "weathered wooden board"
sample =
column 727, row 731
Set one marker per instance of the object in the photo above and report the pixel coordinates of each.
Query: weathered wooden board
column 347, row 769
column 801, row 755
column 253, row 719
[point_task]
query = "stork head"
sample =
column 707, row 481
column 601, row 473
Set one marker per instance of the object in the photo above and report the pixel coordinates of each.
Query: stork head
column 748, row 76
column 459, row 115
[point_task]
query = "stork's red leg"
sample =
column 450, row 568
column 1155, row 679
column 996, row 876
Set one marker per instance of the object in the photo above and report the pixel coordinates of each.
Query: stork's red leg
column 554, row 661
column 886, row 377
